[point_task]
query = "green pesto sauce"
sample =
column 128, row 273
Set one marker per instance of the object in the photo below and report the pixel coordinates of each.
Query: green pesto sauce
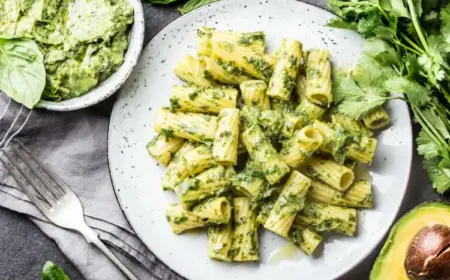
column 249, row 39
column 83, row 41
column 261, row 66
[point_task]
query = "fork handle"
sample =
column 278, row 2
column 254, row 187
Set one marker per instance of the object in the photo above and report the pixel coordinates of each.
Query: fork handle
column 92, row 237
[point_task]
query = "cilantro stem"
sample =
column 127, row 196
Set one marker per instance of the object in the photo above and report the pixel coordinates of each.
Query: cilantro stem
column 417, row 26
column 412, row 43
column 446, row 94
column 397, row 42
column 429, row 128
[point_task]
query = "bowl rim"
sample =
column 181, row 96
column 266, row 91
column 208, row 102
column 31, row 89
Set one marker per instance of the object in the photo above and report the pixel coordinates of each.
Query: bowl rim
column 111, row 85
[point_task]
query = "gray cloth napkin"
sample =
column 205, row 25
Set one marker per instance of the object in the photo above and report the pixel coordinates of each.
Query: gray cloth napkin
column 74, row 146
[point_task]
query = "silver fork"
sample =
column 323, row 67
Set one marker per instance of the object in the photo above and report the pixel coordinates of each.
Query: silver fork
column 52, row 196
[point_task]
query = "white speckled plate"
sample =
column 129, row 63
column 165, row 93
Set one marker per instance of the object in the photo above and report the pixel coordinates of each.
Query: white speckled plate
column 136, row 176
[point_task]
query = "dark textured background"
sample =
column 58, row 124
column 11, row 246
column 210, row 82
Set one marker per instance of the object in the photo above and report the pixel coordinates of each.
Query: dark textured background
column 24, row 249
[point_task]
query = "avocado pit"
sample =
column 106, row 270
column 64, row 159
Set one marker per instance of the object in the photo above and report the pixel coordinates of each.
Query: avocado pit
column 428, row 255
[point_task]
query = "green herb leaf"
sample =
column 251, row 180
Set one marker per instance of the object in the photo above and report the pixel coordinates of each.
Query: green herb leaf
column 162, row 2
column 417, row 94
column 22, row 72
column 194, row 4
column 426, row 147
column 440, row 177
column 342, row 24
column 399, row 9
column 53, row 272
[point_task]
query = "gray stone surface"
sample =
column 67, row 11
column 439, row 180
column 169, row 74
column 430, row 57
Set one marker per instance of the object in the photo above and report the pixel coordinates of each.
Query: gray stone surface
column 24, row 249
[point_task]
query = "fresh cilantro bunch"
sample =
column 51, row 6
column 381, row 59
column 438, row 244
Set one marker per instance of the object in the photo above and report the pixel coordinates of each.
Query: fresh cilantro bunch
column 407, row 52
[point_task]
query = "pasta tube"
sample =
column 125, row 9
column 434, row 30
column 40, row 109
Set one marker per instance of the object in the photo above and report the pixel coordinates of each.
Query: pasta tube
column 194, row 99
column 225, row 72
column 263, row 153
column 258, row 65
column 254, row 94
column 301, row 146
column 206, row 184
column 291, row 122
column 350, row 124
column 193, row 71
column 300, row 88
column 214, row 211
column 191, row 126
column 289, row 202
column 198, row 159
column 220, row 239
column 177, row 171
column 285, row 73
column 181, row 220
column 308, row 112
column 245, row 236
column 250, row 181
column 255, row 41
column 305, row 239
column 377, row 119
column 360, row 148
column 321, row 217
column 163, row 146
column 338, row 176
column 358, row 195
column 227, row 137
column 318, row 77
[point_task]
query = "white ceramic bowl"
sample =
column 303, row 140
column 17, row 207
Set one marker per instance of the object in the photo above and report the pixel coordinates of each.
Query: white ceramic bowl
column 113, row 83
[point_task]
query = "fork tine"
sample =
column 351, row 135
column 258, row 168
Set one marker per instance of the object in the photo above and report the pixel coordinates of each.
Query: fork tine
column 30, row 176
column 21, row 181
column 46, row 176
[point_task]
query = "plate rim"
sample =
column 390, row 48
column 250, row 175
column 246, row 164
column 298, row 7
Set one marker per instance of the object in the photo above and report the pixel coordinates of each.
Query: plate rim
column 340, row 273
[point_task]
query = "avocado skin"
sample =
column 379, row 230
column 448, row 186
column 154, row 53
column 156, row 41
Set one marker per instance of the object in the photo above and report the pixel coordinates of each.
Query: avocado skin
column 398, row 229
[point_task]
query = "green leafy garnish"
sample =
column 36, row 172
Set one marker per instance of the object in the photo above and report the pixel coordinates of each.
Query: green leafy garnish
column 194, row 4
column 407, row 52
column 53, row 272
column 22, row 71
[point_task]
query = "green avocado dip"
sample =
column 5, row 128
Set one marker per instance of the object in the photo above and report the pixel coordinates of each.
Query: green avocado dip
column 83, row 41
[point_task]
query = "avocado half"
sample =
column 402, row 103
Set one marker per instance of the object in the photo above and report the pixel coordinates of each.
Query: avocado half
column 390, row 262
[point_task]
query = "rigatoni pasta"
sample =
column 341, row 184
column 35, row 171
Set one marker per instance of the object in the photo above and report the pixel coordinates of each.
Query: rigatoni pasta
column 307, row 240
column 181, row 219
column 318, row 77
column 190, row 126
column 225, row 72
column 245, row 236
column 177, row 171
column 255, row 41
column 242, row 151
column 193, row 71
column 338, row 176
column 301, row 146
column 290, row 201
column 220, row 238
column 285, row 73
column 258, row 65
column 214, row 211
column 254, row 94
column 377, row 119
column 206, row 184
column 227, row 137
column 163, row 146
column 261, row 151
column 198, row 159
column 197, row 100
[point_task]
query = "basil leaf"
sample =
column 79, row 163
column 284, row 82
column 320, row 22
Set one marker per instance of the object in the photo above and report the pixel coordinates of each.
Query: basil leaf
column 53, row 272
column 22, row 71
